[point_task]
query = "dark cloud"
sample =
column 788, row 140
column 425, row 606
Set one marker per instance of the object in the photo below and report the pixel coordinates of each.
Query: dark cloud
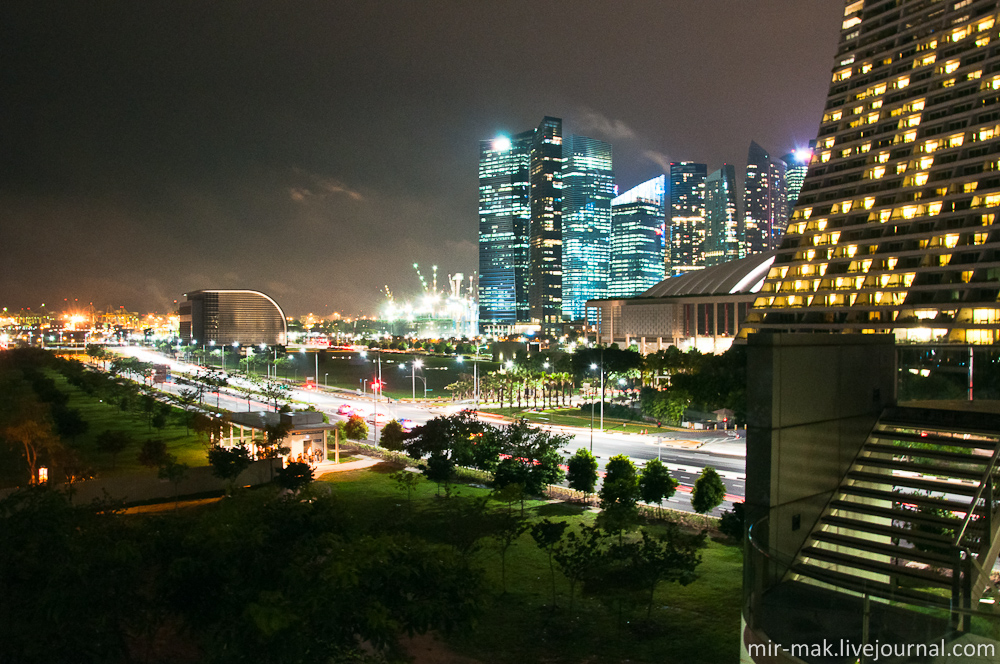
column 317, row 149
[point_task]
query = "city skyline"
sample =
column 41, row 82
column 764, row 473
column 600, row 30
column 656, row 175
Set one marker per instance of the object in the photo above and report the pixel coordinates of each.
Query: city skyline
column 316, row 152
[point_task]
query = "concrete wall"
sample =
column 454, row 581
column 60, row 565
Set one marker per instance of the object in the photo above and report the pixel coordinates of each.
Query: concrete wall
column 811, row 401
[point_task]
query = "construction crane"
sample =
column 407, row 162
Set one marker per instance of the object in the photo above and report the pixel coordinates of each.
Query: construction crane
column 388, row 293
column 423, row 283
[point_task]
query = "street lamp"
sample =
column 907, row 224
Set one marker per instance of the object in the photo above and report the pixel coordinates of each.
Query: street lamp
column 594, row 368
column 413, row 378
column 325, row 382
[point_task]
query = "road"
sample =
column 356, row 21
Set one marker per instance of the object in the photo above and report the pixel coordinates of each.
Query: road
column 684, row 453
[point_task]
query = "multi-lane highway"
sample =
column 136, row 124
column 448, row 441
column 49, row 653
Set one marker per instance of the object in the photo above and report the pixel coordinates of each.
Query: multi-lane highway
column 684, row 453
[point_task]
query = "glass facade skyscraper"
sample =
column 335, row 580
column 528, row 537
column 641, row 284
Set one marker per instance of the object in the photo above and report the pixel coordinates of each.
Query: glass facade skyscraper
column 723, row 223
column 637, row 239
column 686, row 217
column 588, row 183
column 766, row 210
column 504, row 222
column 545, row 252
column 797, row 165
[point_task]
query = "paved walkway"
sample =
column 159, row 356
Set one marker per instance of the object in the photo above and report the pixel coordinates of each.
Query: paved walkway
column 325, row 467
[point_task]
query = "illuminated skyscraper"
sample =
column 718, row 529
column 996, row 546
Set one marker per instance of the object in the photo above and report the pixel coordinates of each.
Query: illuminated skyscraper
column 896, row 228
column 686, row 217
column 797, row 165
column 637, row 239
column 723, row 223
column 588, row 187
column 545, row 257
column 766, row 210
column 504, row 221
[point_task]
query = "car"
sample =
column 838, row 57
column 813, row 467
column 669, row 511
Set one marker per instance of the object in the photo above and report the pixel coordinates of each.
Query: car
column 345, row 409
column 407, row 424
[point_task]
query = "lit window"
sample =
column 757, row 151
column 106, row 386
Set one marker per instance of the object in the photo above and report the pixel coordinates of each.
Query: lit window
column 985, row 25
column 845, row 207
column 956, row 141
column 920, row 179
column 972, row 75
column 875, row 104
column 890, row 263
column 926, row 162
column 865, row 68
column 950, row 66
column 931, row 146
column 909, row 212
column 947, row 83
column 879, row 89
column 877, row 172
column 926, row 60
column 909, row 136
column 934, row 208
column 951, row 241
column 983, row 41
column 825, row 157
column 865, row 147
column 969, row 187
column 827, row 143
column 881, row 157
column 901, row 83
column 900, row 168
column 987, row 134
column 850, row 23
column 912, row 121
column 851, row 250
column 884, row 215
column 843, row 74
column 869, row 202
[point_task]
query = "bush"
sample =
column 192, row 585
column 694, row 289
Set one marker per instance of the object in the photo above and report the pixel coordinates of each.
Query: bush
column 733, row 522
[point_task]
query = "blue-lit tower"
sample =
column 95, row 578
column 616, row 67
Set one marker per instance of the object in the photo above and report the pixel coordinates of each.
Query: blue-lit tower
column 637, row 239
column 588, row 187
column 504, row 226
column 723, row 223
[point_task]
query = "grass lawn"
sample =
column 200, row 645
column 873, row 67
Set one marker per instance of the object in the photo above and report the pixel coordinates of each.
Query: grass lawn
column 187, row 447
column 575, row 418
column 689, row 624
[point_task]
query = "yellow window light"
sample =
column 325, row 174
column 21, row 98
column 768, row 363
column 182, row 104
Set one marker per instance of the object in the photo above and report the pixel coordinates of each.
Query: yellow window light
column 845, row 207
column 956, row 141
column 890, row 263
column 909, row 136
column 851, row 250
column 869, row 202
column 909, row 211
column 970, row 187
column 881, row 157
column 877, row 172
column 825, row 156
column 926, row 162
column 934, row 209
column 920, row 179
column 950, row 66
column 884, row 215
column 951, row 241
column 821, row 224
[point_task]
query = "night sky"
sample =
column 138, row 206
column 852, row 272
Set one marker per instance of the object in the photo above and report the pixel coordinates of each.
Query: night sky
column 316, row 150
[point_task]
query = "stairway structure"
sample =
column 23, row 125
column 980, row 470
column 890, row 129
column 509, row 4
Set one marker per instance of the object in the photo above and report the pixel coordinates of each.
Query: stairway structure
column 917, row 515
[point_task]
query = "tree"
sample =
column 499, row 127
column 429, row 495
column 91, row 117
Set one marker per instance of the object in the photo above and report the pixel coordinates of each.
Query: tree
column 439, row 469
column 582, row 471
column 655, row 483
column 35, row 438
column 355, row 428
column 228, row 463
column 532, row 456
column 173, row 472
column 733, row 522
column 270, row 446
column 392, row 436
column 153, row 453
column 619, row 495
column 709, row 491
column 547, row 535
column 406, row 481
column 69, row 423
column 577, row 554
column 294, row 476
column 509, row 529
column 113, row 442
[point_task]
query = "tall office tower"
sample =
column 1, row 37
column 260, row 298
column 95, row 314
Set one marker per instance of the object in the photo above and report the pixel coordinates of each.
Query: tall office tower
column 588, row 187
column 765, row 213
column 637, row 239
column 896, row 229
column 797, row 165
column 545, row 254
column 504, row 221
column 686, row 217
column 723, row 223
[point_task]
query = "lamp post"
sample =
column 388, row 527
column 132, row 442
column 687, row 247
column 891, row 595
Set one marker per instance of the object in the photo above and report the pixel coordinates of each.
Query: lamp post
column 325, row 381
column 413, row 378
